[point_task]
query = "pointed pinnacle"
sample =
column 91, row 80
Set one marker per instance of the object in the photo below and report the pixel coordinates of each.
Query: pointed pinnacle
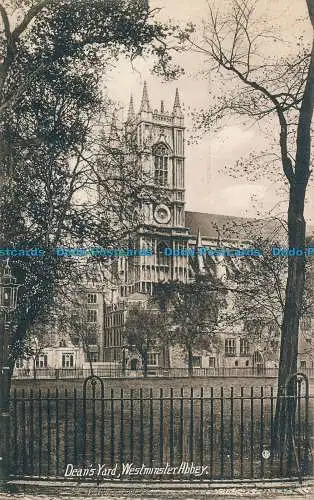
column 177, row 111
column 145, row 101
column 198, row 239
column 177, row 99
column 131, row 113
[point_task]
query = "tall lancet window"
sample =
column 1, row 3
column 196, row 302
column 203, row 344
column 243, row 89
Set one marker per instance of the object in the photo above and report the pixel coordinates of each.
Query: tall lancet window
column 161, row 162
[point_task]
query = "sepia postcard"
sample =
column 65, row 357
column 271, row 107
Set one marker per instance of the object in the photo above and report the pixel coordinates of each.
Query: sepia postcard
column 157, row 249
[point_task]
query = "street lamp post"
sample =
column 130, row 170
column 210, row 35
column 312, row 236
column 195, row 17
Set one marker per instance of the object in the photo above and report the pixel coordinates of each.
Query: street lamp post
column 8, row 301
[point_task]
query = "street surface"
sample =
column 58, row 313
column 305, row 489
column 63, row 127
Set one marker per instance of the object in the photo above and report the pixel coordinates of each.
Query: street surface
column 190, row 493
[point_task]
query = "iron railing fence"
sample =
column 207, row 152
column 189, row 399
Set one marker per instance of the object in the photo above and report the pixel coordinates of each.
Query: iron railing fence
column 119, row 372
column 207, row 434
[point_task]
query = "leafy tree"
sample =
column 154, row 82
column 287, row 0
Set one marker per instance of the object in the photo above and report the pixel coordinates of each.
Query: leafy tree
column 34, row 347
column 83, row 333
column 145, row 329
column 284, row 87
column 53, row 160
column 193, row 310
column 47, row 38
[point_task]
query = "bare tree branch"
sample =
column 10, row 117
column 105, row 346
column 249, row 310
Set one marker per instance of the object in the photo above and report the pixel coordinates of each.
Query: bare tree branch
column 310, row 6
column 29, row 16
column 6, row 23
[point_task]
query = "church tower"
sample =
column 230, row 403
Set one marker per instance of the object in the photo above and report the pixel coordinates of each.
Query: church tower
column 160, row 139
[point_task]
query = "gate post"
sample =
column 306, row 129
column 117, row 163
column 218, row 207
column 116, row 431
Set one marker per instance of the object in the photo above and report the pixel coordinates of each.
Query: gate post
column 298, row 378
column 4, row 404
column 93, row 380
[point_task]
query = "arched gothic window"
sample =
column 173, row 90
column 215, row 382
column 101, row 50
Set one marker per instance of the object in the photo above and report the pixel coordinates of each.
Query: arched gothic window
column 258, row 362
column 162, row 258
column 161, row 161
column 257, row 358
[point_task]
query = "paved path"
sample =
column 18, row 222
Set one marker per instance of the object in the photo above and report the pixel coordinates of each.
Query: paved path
column 190, row 496
column 189, row 493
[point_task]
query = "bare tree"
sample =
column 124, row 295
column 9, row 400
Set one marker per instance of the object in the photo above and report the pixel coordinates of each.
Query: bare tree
column 233, row 45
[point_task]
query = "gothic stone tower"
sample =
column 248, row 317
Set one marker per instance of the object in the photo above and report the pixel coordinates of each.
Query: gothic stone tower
column 160, row 138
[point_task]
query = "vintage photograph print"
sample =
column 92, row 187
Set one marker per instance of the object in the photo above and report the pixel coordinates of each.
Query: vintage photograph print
column 156, row 249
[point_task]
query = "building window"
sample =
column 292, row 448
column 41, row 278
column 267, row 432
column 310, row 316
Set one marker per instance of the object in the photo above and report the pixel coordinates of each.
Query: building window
column 107, row 356
column 212, row 362
column 179, row 216
column 93, row 357
column 180, row 142
column 91, row 315
column 303, row 364
column 257, row 359
column 258, row 363
column 244, row 347
column 67, row 360
column 152, row 358
column 134, row 364
column 196, row 361
column 41, row 361
column 162, row 258
column 230, row 347
column 146, row 131
column 180, row 173
column 91, row 338
column 91, row 298
column 19, row 363
column 161, row 154
column 112, row 354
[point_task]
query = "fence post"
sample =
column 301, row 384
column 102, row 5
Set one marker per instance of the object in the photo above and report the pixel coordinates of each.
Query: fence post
column 297, row 379
column 93, row 379
column 4, row 404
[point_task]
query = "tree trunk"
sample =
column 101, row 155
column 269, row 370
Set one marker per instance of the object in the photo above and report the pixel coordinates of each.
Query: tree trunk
column 296, row 264
column 290, row 325
column 144, row 362
column 90, row 363
column 190, row 361
column 166, row 355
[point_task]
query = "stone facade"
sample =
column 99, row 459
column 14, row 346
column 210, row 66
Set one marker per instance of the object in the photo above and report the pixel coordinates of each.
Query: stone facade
column 173, row 234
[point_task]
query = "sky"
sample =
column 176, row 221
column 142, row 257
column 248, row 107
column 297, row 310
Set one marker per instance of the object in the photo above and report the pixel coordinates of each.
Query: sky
column 208, row 187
